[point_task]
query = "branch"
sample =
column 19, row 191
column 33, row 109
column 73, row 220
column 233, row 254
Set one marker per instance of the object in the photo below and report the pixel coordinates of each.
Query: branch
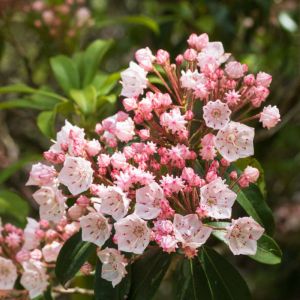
column 75, row 290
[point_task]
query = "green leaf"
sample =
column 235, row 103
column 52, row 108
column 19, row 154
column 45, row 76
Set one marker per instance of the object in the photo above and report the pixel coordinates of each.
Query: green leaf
column 13, row 168
column 47, row 294
column 92, row 58
column 147, row 273
column 105, row 83
column 191, row 282
column 131, row 20
column 65, row 73
column 86, row 99
column 252, row 201
column 105, row 290
column 45, row 122
column 72, row 256
column 13, row 205
column 268, row 252
column 224, row 280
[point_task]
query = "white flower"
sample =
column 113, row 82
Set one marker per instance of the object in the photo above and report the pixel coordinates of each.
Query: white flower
column 8, row 274
column 134, row 80
column 41, row 174
column 34, row 278
column 125, row 130
column 113, row 265
column 95, row 228
column 114, row 202
column 216, row 114
column 270, row 116
column 51, row 202
column 76, row 174
column 242, row 236
column 190, row 231
column 148, row 201
column 132, row 234
column 51, row 251
column 30, row 240
column 235, row 141
column 217, row 199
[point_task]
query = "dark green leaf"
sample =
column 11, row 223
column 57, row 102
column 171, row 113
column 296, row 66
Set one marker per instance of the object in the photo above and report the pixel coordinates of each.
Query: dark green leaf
column 47, row 294
column 191, row 282
column 225, row 281
column 65, row 72
column 252, row 201
column 13, row 205
column 104, row 289
column 92, row 58
column 72, row 256
column 46, row 122
column 147, row 274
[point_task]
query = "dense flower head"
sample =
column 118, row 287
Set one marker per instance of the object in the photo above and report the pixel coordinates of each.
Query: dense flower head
column 160, row 172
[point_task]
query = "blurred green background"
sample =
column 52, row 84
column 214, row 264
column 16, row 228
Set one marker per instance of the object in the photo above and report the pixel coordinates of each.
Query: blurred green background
column 265, row 34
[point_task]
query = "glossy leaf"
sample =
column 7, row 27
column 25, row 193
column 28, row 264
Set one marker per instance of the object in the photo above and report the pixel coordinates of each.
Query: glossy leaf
column 65, row 72
column 147, row 273
column 104, row 289
column 252, row 201
column 45, row 122
column 86, row 99
column 92, row 58
column 13, row 206
column 72, row 256
column 190, row 281
column 224, row 280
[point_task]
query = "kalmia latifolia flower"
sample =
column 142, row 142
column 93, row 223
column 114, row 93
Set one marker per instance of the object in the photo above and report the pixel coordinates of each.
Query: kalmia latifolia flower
column 159, row 173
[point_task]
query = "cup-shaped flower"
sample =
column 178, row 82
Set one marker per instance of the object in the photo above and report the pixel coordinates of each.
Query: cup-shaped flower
column 235, row 141
column 217, row 199
column 95, row 228
column 190, row 231
column 8, row 274
column 114, row 202
column 242, row 236
column 76, row 174
column 216, row 114
column 51, row 202
column 148, row 201
column 50, row 251
column 270, row 116
column 30, row 238
column 41, row 174
column 132, row 234
column 34, row 278
column 113, row 265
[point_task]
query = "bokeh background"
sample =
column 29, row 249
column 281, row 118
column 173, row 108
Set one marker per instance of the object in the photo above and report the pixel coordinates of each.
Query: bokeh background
column 265, row 34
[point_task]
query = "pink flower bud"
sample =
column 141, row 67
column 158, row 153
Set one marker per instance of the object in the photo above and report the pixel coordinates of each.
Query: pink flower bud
column 51, row 235
column 93, row 147
column 98, row 128
column 36, row 254
column 270, row 116
column 198, row 42
column 44, row 224
column 40, row 234
column 190, row 55
column 162, row 57
column 83, row 201
column 75, row 212
column 249, row 80
column 129, row 104
column 179, row 59
column 144, row 134
column 234, row 69
column 263, row 79
column 225, row 163
column 251, row 173
column 48, row 17
column 145, row 58
column 22, row 255
column 233, row 175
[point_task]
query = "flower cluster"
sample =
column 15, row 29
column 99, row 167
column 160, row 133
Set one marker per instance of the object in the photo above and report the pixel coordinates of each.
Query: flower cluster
column 30, row 254
column 65, row 19
column 162, row 171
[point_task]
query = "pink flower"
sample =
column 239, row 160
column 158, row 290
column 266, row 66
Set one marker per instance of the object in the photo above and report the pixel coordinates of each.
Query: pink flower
column 234, row 69
column 216, row 114
column 232, row 97
column 132, row 234
column 190, row 55
column 191, row 80
column 34, row 278
column 173, row 120
column 50, row 251
column 217, row 199
column 251, row 173
column 76, row 174
column 114, row 202
column 235, row 141
column 30, row 239
column 22, row 255
column 129, row 104
column 190, row 231
column 92, row 147
column 168, row 243
column 41, row 174
column 51, row 202
column 242, row 236
column 8, row 274
column 171, row 184
column 145, row 58
column 270, row 116
column 134, row 80
column 82, row 16
column 113, row 265
column 162, row 57
column 198, row 42
column 148, row 200
column 125, row 130
column 263, row 79
column 95, row 228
